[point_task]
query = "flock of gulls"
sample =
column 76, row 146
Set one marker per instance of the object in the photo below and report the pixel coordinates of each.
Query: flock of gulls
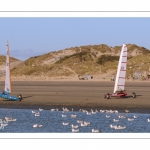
column 4, row 122
column 79, row 123
column 75, row 127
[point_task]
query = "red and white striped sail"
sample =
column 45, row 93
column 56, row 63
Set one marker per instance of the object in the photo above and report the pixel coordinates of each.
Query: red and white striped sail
column 7, row 78
column 121, row 72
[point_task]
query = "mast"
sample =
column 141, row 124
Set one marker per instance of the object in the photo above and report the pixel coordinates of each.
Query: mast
column 121, row 71
column 7, row 76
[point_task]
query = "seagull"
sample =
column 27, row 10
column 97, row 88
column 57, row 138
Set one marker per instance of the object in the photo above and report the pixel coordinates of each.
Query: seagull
column 37, row 114
column 86, row 122
column 88, row 113
column 74, row 126
column 4, row 124
column 122, row 117
column 95, row 131
column 126, row 111
column 116, row 111
column 120, row 127
column 65, row 109
column 102, row 111
column 83, row 110
column 37, row 125
column 111, row 126
column 73, row 116
column 78, row 121
column 64, row 115
column 9, row 119
column 115, row 120
column 52, row 109
column 33, row 112
column 130, row 119
column 93, row 112
column 134, row 116
column 40, row 109
column 75, row 130
column 65, row 123
column 1, row 126
column 107, row 116
column 83, row 124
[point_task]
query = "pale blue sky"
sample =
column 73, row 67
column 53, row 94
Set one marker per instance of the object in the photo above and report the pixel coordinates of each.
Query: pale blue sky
column 34, row 36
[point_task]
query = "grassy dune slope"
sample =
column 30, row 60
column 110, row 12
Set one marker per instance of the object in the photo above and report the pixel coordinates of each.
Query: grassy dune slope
column 90, row 59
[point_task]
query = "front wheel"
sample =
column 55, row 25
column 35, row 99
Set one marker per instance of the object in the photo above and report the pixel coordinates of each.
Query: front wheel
column 19, row 97
column 133, row 95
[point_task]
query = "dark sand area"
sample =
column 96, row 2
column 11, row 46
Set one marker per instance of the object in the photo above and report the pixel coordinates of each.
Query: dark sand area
column 77, row 94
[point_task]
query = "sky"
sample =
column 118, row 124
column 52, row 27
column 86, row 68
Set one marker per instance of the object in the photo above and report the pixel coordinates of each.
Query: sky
column 33, row 36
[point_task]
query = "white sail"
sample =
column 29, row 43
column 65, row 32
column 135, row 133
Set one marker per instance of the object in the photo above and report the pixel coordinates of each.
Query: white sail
column 7, row 78
column 121, row 72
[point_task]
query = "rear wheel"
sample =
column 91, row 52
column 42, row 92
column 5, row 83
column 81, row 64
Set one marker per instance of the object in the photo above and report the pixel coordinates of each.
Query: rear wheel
column 20, row 97
column 108, row 96
column 133, row 95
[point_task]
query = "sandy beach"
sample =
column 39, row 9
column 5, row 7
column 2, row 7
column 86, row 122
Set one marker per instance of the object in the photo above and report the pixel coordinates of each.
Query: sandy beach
column 77, row 94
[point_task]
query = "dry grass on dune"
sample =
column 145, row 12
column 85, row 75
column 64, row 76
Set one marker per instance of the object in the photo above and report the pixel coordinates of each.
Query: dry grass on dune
column 91, row 59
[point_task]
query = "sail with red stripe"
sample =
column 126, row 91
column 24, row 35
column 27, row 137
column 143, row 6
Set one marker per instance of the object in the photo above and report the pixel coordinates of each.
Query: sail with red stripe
column 121, row 72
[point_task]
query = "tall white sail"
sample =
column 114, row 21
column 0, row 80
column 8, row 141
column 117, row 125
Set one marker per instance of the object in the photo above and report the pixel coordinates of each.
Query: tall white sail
column 121, row 72
column 8, row 78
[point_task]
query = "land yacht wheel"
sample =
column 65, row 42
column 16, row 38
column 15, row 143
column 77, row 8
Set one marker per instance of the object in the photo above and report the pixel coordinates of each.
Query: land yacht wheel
column 133, row 95
column 20, row 97
column 108, row 96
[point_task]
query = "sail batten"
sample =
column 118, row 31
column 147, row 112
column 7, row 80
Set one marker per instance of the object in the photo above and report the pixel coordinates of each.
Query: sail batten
column 8, row 78
column 121, row 71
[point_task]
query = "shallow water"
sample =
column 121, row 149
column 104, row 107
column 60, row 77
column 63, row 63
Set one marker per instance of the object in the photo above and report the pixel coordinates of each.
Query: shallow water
column 51, row 121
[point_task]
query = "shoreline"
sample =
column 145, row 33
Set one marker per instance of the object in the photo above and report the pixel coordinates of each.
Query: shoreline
column 77, row 108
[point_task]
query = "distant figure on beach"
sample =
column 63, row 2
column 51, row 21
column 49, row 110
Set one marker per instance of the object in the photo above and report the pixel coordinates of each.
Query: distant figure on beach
column 112, row 78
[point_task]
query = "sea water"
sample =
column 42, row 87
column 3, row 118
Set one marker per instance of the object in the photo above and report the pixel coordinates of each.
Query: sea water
column 51, row 121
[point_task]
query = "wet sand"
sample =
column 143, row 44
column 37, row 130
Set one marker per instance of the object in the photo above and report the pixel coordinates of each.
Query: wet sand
column 77, row 94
